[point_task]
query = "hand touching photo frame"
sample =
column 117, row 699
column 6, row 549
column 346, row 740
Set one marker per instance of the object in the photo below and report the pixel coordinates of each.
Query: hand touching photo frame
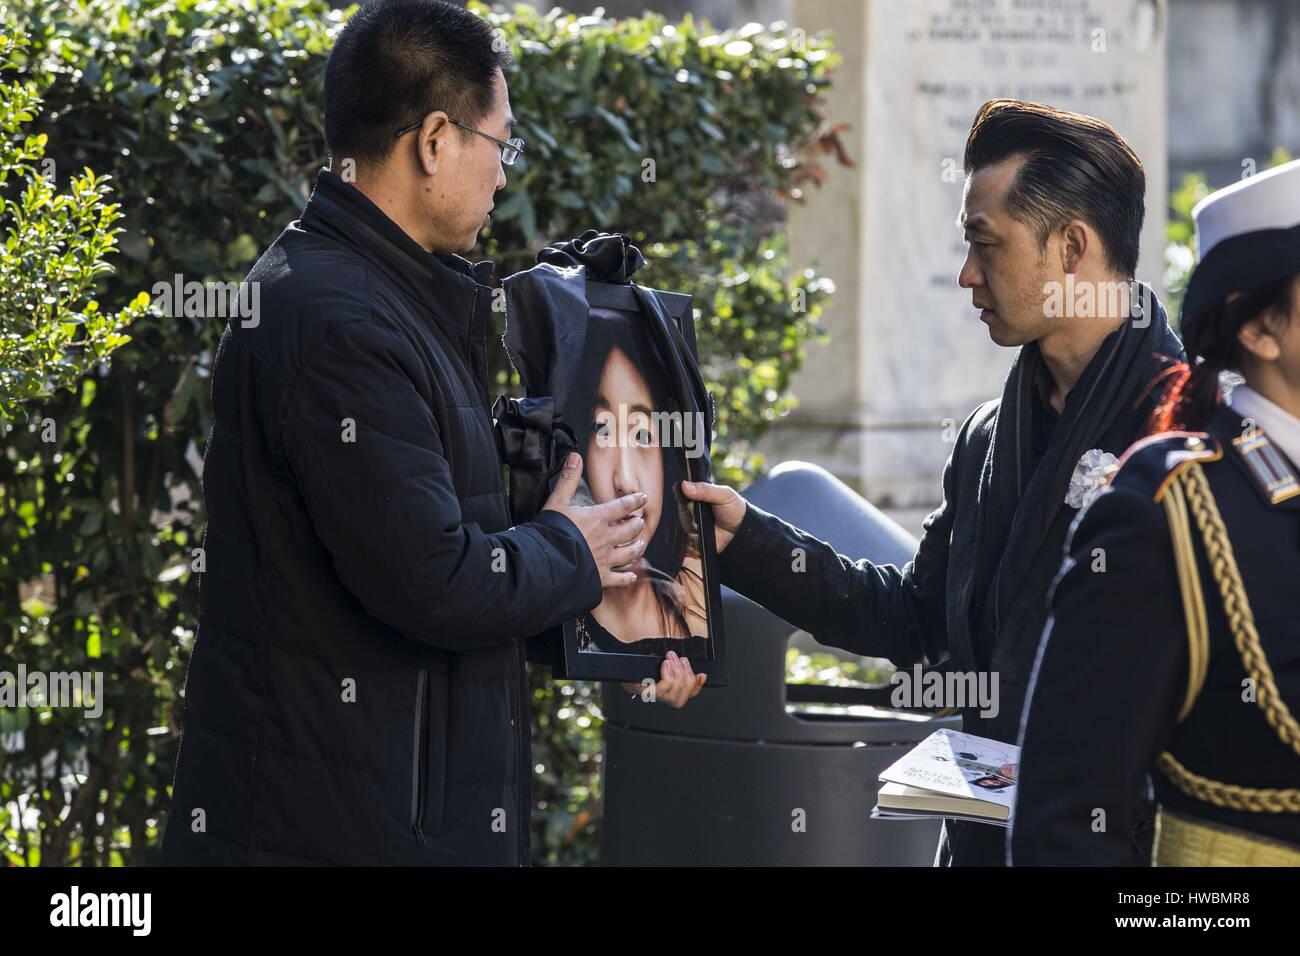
column 625, row 380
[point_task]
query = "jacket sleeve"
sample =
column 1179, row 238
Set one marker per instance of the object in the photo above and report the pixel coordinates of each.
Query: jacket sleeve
column 874, row 610
column 365, row 450
column 1106, row 688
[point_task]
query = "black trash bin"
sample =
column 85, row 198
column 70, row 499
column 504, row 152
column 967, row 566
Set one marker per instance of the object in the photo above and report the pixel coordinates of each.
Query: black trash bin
column 758, row 772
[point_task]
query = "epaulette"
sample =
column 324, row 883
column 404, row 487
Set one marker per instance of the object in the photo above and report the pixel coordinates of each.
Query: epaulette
column 1152, row 463
column 1266, row 465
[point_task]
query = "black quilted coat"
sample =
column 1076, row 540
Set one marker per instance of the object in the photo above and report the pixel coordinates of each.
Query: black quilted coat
column 356, row 693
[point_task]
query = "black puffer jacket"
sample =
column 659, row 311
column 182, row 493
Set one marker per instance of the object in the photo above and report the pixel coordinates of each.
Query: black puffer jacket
column 356, row 692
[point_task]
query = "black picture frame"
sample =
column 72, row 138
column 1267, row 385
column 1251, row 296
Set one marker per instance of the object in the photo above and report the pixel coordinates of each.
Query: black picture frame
column 570, row 661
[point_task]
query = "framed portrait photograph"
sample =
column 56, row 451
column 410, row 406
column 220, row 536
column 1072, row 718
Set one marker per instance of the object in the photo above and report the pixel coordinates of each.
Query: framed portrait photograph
column 625, row 403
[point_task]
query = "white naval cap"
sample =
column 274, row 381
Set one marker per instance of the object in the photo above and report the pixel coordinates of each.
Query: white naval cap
column 1247, row 235
column 1267, row 200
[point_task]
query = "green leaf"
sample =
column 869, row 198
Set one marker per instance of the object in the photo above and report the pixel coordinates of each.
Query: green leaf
column 91, row 523
column 241, row 251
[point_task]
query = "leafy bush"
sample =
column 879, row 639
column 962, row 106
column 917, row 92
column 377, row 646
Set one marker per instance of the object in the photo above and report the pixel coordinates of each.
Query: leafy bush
column 208, row 115
column 55, row 246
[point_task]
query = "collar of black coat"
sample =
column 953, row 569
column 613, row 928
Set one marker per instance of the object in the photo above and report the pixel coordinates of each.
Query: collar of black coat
column 448, row 282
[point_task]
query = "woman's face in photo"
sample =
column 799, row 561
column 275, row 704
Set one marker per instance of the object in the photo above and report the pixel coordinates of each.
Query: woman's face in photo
column 623, row 454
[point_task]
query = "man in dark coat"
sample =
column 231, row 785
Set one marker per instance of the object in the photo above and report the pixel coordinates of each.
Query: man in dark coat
column 1052, row 213
column 357, row 693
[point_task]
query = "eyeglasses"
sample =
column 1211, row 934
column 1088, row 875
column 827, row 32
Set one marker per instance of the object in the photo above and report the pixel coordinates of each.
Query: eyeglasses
column 510, row 149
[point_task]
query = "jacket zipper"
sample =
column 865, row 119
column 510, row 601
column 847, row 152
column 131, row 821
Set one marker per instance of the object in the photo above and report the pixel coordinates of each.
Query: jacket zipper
column 419, row 761
column 481, row 373
column 523, row 725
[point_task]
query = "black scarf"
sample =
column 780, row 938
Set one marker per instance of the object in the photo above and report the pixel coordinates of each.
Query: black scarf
column 1020, row 506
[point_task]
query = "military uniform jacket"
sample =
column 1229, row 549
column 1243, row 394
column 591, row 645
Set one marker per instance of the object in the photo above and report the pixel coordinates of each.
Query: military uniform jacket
column 1112, row 669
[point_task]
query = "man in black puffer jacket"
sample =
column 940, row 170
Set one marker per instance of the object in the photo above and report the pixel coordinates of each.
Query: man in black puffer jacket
column 356, row 693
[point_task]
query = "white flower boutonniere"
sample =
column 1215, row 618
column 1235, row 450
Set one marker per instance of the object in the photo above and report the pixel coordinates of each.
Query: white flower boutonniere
column 1090, row 475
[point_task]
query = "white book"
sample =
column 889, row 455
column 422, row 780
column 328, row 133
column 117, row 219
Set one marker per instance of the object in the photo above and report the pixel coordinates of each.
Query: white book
column 950, row 774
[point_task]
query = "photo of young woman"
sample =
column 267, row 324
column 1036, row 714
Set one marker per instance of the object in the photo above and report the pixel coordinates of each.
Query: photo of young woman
column 620, row 407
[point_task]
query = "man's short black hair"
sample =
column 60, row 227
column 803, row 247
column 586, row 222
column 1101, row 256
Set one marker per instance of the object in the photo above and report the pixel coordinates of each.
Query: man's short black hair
column 1076, row 167
column 396, row 61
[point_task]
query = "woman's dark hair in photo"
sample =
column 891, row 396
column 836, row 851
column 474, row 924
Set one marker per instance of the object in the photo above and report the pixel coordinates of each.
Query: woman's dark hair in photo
column 1076, row 167
column 1189, row 393
column 394, row 62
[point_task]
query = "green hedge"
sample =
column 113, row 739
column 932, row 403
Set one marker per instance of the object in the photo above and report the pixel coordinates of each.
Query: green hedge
column 207, row 113
column 56, row 242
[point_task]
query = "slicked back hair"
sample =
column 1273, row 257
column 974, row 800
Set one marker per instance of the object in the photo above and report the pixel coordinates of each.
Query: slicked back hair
column 394, row 62
column 1075, row 167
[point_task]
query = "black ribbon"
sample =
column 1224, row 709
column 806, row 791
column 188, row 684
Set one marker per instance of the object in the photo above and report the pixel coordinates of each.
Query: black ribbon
column 607, row 256
column 534, row 441
column 612, row 257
